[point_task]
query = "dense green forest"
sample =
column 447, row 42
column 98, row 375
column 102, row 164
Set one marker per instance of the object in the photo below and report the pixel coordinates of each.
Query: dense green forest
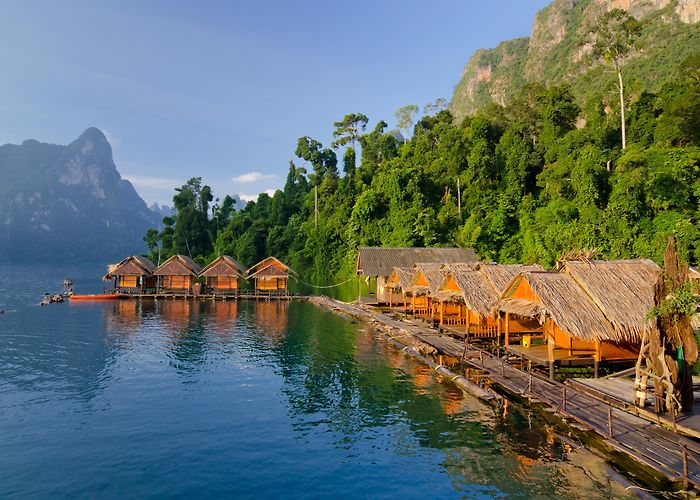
column 539, row 178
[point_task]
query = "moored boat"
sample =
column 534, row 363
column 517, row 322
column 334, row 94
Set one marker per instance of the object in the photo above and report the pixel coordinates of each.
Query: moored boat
column 96, row 296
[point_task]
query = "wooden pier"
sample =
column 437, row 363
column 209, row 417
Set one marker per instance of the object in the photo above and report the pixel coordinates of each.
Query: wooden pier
column 665, row 453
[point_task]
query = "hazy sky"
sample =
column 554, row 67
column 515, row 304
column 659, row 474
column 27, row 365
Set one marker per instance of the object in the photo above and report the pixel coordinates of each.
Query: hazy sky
column 222, row 90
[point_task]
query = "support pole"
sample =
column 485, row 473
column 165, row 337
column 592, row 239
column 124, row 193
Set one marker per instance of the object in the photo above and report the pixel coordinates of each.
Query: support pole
column 507, row 337
column 610, row 422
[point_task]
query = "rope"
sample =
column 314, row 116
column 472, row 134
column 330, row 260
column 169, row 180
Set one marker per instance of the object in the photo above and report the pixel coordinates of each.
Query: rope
column 325, row 286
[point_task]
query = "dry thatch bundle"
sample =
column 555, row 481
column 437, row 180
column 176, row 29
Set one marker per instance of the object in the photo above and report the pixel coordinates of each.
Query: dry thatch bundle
column 672, row 349
column 500, row 275
column 622, row 289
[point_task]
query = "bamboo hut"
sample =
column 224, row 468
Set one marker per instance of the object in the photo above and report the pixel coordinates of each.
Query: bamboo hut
column 133, row 274
column 377, row 263
column 271, row 276
column 223, row 276
column 178, row 274
column 425, row 280
column 397, row 281
column 575, row 330
column 468, row 293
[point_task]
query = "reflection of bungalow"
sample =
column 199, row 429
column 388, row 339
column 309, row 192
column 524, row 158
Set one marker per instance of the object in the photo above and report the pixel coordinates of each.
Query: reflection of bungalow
column 132, row 275
column 178, row 274
column 376, row 264
column 590, row 312
column 425, row 281
column 271, row 276
column 467, row 295
column 223, row 276
column 397, row 281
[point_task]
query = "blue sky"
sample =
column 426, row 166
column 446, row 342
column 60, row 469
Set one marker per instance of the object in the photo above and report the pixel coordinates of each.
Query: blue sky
column 222, row 90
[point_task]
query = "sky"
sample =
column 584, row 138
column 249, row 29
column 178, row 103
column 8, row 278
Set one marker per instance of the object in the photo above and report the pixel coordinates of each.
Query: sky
column 223, row 89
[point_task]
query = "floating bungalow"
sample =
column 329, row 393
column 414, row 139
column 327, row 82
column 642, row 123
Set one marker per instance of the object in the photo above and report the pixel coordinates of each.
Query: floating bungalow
column 397, row 281
column 223, row 276
column 376, row 264
column 177, row 275
column 468, row 293
column 133, row 274
column 590, row 312
column 425, row 281
column 271, row 276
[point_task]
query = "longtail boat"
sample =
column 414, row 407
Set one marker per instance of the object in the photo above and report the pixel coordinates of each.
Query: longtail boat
column 97, row 296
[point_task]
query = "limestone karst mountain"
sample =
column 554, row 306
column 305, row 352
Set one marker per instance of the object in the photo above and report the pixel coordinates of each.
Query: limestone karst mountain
column 556, row 53
column 65, row 203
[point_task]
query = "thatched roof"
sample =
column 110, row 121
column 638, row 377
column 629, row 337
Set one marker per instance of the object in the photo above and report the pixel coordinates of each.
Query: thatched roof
column 500, row 275
column 262, row 268
column 433, row 276
column 223, row 266
column 403, row 278
column 560, row 298
column 622, row 289
column 134, row 265
column 378, row 261
column 481, row 285
column 178, row 265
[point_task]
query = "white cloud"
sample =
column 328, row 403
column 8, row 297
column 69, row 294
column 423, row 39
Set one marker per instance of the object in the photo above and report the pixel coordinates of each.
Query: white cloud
column 253, row 177
column 145, row 181
column 254, row 197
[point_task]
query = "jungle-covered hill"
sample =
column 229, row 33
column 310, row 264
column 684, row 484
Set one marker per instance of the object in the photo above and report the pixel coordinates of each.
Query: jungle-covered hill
column 538, row 177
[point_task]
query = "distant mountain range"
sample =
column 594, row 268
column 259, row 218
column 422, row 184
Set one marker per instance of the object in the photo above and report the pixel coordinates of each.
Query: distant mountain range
column 69, row 203
column 556, row 53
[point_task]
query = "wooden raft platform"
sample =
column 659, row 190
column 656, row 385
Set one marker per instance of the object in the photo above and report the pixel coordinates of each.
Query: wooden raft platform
column 673, row 456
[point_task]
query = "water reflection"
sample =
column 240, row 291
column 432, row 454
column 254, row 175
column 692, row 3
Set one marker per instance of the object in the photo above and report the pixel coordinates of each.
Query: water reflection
column 190, row 390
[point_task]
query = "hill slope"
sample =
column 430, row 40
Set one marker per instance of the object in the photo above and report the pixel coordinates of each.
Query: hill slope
column 556, row 53
column 69, row 202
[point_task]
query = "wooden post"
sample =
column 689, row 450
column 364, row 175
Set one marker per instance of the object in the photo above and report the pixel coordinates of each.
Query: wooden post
column 610, row 422
column 550, row 356
column 684, row 452
column 391, row 295
column 596, row 359
column 413, row 304
column 359, row 288
column 442, row 311
column 563, row 398
column 507, row 336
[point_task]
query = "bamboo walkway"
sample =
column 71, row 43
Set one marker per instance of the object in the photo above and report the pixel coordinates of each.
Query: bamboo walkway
column 673, row 456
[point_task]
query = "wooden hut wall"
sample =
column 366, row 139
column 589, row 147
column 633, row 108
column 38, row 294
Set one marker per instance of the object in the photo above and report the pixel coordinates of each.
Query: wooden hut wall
column 270, row 283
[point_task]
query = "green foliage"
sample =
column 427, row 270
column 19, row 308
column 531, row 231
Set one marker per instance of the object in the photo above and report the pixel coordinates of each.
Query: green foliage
column 532, row 187
column 682, row 301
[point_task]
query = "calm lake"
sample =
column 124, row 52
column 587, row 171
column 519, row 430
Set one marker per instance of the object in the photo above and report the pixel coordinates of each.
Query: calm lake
column 266, row 399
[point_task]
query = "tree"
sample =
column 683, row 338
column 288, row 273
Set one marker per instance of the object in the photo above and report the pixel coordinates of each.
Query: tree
column 348, row 130
column 435, row 107
column 323, row 160
column 405, row 117
column 612, row 38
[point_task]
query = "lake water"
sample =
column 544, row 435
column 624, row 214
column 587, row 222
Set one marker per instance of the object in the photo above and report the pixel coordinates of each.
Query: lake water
column 266, row 399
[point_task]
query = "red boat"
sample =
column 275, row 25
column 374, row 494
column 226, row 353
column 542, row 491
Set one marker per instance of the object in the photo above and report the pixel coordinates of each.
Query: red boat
column 97, row 296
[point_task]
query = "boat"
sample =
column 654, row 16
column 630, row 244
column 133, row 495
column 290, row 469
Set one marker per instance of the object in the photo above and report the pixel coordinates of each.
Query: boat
column 96, row 296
